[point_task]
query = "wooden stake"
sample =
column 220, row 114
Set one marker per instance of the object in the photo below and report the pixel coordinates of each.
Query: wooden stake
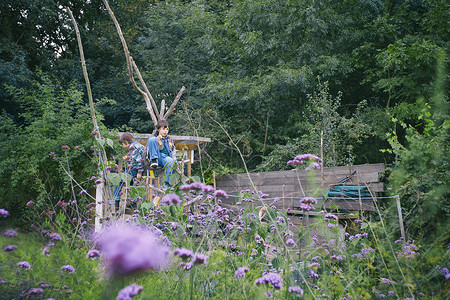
column 321, row 156
column 400, row 217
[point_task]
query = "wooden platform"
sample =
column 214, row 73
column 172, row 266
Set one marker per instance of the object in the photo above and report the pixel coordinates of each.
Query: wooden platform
column 295, row 184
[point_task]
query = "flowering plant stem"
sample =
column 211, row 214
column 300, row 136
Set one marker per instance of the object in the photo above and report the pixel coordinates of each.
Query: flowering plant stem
column 191, row 282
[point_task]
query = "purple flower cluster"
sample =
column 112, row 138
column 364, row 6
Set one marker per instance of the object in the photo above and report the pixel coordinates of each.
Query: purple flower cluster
column 409, row 250
column 273, row 279
column 54, row 236
column 306, row 203
column 30, row 203
column 296, row 289
column 93, row 254
column 240, row 272
column 197, row 186
column 199, row 259
column 24, row 264
column 128, row 292
column 183, row 253
column 444, row 272
column 10, row 233
column 68, row 268
column 315, row 161
column 4, row 213
column 221, row 193
column 130, row 249
column 10, row 248
column 170, row 199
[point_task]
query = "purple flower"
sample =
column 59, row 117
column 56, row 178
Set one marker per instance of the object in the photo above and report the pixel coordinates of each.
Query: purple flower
column 129, row 249
column 35, row 291
column 128, row 292
column 296, row 289
column 68, row 268
column 54, row 236
column 4, row 213
column 24, row 264
column 30, row 203
column 290, row 242
column 199, row 259
column 93, row 254
column 387, row 281
column 170, row 199
column 271, row 278
column 10, row 233
column 94, row 132
column 221, row 193
column 408, row 251
column 10, row 248
column 184, row 253
column 300, row 159
column 306, row 203
column 240, row 272
column 65, row 147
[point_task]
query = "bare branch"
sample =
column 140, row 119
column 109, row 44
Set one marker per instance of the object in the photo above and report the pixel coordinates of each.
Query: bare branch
column 155, row 108
column 130, row 63
column 163, row 107
column 177, row 98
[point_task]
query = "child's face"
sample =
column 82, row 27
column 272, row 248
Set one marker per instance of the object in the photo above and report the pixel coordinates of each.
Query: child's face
column 163, row 131
column 125, row 145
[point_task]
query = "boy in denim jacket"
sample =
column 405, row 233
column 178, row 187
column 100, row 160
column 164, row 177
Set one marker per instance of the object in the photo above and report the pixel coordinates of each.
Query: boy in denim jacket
column 161, row 150
column 134, row 159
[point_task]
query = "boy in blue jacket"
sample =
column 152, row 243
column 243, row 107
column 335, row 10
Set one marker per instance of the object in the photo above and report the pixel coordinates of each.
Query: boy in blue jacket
column 161, row 150
column 134, row 159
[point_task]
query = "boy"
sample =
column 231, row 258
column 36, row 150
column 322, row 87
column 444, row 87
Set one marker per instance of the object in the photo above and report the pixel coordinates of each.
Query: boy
column 134, row 157
column 161, row 150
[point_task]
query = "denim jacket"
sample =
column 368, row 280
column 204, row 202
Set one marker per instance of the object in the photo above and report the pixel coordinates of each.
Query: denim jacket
column 136, row 151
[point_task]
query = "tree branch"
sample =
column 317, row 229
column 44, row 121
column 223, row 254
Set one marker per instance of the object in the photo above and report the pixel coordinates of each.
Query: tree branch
column 177, row 98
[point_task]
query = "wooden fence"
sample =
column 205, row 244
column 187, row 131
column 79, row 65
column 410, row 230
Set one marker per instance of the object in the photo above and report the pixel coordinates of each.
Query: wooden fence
column 294, row 184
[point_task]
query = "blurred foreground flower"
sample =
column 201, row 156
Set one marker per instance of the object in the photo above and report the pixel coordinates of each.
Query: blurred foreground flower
column 10, row 233
column 271, row 278
column 129, row 249
column 128, row 292
column 24, row 264
column 93, row 254
column 68, row 268
column 4, row 213
column 170, row 199
column 240, row 272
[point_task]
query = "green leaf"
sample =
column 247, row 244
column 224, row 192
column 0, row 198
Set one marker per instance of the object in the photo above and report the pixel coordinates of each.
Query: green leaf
column 174, row 178
column 114, row 179
column 110, row 143
column 126, row 177
column 101, row 141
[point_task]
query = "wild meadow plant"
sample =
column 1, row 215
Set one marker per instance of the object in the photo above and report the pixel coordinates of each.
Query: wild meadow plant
column 194, row 246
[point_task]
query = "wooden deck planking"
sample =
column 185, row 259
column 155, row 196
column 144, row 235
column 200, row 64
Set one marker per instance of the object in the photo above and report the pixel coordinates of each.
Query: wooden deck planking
column 272, row 183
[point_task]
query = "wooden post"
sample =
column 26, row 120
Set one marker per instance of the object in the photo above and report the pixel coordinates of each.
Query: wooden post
column 284, row 188
column 189, row 163
column 215, row 186
column 400, row 217
column 321, row 156
column 99, row 206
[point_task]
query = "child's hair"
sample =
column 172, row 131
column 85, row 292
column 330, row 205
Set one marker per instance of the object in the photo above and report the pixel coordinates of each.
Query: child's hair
column 126, row 137
column 162, row 123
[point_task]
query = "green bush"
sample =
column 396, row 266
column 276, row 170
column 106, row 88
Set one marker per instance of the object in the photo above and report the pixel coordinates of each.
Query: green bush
column 51, row 116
